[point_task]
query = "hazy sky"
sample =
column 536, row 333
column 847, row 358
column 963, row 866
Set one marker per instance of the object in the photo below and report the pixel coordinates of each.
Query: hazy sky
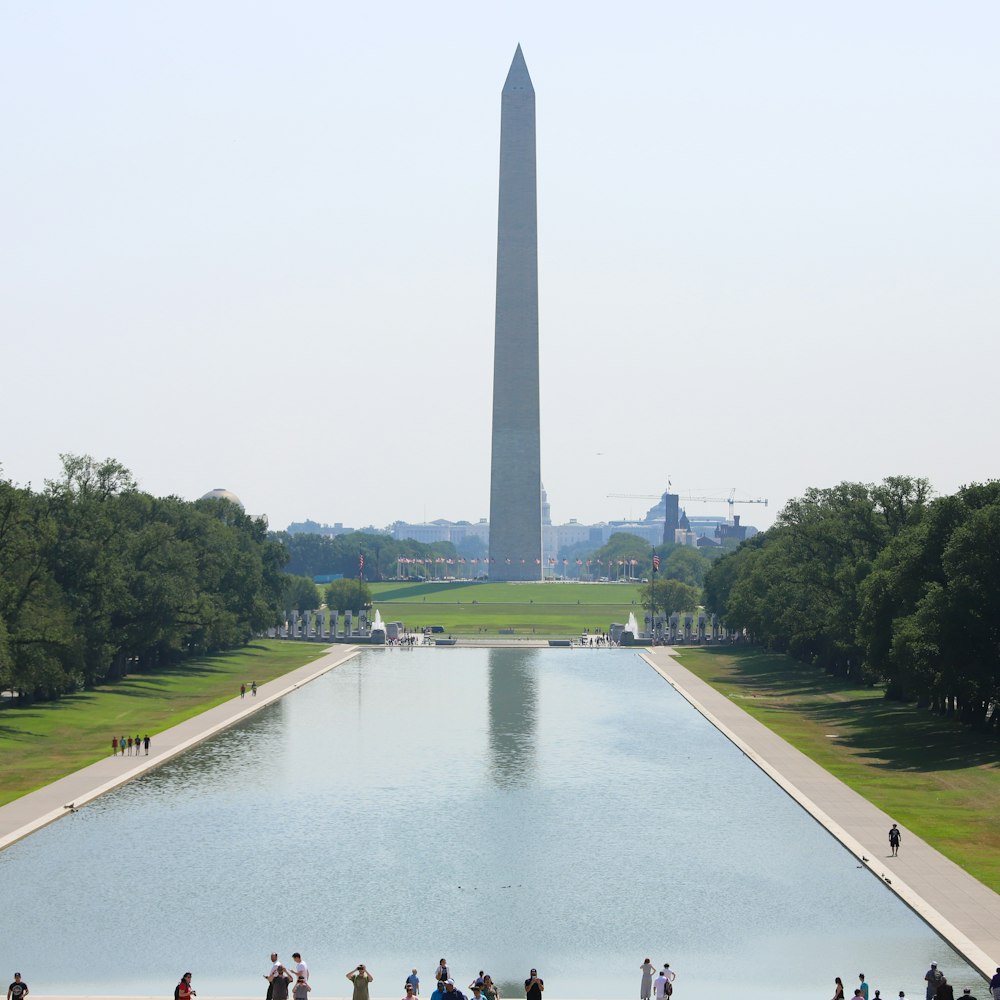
column 253, row 245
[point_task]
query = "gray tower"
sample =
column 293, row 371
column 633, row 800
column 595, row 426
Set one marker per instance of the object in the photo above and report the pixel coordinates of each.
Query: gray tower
column 516, row 478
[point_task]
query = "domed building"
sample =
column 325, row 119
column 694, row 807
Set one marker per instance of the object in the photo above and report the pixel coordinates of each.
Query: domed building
column 221, row 494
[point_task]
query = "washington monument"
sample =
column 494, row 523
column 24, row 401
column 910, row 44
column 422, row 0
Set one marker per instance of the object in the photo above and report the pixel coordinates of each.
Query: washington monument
column 515, row 474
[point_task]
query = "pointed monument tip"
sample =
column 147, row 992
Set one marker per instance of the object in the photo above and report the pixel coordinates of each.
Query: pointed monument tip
column 517, row 75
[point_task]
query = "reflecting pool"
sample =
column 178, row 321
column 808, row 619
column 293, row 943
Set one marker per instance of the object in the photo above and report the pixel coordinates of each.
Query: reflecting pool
column 563, row 809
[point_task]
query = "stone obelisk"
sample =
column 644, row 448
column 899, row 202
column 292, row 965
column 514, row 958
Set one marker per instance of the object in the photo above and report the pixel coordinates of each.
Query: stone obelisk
column 516, row 479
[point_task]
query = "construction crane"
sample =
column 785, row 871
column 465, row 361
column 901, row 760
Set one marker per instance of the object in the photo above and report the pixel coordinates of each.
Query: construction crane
column 691, row 498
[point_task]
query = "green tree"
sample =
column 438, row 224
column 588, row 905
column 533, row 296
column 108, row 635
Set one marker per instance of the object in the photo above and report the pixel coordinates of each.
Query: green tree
column 669, row 596
column 684, row 563
column 300, row 594
column 348, row 595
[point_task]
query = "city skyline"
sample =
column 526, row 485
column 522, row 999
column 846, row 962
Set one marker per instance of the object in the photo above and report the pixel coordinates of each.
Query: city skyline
column 256, row 250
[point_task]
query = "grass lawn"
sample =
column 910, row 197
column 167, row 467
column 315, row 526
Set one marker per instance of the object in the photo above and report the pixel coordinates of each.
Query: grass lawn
column 930, row 774
column 44, row 742
column 542, row 609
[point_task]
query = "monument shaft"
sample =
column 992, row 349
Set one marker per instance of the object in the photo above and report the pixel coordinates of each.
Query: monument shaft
column 516, row 480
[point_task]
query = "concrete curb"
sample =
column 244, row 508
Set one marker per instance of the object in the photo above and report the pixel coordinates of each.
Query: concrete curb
column 958, row 939
column 31, row 812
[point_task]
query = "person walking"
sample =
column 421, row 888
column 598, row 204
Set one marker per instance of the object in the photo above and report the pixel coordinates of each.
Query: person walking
column 253, row 688
column 670, row 976
column 660, row 986
column 838, row 989
column 243, row 690
column 995, row 986
column 413, row 980
column 441, row 972
column 945, row 991
column 863, row 986
column 360, row 977
column 114, row 746
column 439, row 991
column 145, row 743
column 492, row 992
column 894, row 839
column 18, row 989
column 184, row 990
column 646, row 986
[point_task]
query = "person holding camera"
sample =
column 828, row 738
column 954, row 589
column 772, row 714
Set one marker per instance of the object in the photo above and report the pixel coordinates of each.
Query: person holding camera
column 533, row 986
column 361, row 977
column 280, row 979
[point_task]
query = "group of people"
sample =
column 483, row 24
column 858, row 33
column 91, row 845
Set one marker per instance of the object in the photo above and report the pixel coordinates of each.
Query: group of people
column 482, row 986
column 660, row 987
column 291, row 982
column 938, row 988
column 126, row 744
column 283, row 980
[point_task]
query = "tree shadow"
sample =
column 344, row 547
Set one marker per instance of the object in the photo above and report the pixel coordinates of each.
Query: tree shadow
column 890, row 736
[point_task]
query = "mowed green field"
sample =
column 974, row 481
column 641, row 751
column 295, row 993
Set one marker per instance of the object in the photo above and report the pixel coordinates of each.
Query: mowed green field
column 546, row 610
column 40, row 743
column 932, row 775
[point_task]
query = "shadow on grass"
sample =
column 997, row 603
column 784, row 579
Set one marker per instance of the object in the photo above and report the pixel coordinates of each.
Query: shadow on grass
column 886, row 735
column 408, row 591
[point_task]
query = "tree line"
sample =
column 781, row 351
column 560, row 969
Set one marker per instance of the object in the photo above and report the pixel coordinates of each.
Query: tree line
column 883, row 584
column 99, row 579
column 325, row 555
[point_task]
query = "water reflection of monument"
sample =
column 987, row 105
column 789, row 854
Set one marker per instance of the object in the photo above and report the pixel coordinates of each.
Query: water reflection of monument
column 513, row 716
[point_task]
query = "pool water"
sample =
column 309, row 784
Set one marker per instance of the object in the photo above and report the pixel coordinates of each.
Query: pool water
column 562, row 809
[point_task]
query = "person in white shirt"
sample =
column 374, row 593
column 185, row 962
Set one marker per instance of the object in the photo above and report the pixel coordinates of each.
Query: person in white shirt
column 659, row 986
column 670, row 976
column 269, row 975
column 299, row 968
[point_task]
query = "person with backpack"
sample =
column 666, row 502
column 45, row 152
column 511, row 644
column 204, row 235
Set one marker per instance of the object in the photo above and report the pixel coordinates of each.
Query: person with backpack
column 183, row 991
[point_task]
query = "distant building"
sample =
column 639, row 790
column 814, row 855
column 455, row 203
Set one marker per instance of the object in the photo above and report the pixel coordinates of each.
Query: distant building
column 312, row 528
column 222, row 494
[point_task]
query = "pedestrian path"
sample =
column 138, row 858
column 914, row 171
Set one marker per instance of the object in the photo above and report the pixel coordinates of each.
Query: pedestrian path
column 961, row 909
column 44, row 806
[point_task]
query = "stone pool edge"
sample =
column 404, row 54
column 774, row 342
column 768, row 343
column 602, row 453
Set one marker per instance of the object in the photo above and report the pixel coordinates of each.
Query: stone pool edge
column 974, row 905
column 31, row 812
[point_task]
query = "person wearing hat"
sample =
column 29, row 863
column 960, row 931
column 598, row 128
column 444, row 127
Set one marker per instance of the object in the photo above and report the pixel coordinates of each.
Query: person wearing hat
column 451, row 992
column 533, row 986
column 17, row 989
column 439, row 991
column 934, row 978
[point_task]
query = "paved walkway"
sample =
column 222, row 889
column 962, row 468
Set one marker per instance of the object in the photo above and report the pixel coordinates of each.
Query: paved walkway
column 961, row 909
column 38, row 809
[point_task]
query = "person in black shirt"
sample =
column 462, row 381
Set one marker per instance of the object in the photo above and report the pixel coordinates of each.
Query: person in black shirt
column 17, row 990
column 533, row 987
